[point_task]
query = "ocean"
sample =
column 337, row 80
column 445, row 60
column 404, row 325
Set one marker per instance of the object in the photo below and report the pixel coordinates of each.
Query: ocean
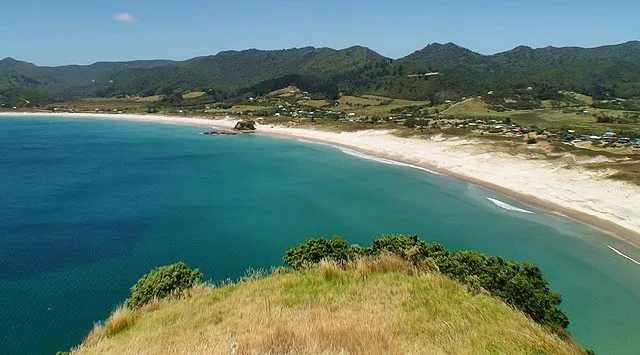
column 88, row 206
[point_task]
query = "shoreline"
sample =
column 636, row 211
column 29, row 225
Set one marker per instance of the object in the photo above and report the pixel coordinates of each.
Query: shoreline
column 594, row 204
column 604, row 225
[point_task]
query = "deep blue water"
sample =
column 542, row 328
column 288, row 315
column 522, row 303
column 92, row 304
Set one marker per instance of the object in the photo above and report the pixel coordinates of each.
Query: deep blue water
column 88, row 206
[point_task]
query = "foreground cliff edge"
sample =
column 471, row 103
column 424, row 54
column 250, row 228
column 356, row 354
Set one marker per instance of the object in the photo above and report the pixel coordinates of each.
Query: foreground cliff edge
column 384, row 299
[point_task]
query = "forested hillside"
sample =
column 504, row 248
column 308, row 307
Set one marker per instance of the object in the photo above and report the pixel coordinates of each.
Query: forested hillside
column 436, row 72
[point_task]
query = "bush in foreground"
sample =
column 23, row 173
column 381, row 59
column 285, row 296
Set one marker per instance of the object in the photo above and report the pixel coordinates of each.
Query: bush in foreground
column 162, row 282
column 315, row 250
column 520, row 285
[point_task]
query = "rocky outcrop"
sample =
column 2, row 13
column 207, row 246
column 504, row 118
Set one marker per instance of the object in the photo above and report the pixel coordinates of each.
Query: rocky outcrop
column 227, row 132
column 241, row 127
column 245, row 126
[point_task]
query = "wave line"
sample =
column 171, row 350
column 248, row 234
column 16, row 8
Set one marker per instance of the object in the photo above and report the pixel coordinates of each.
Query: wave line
column 507, row 206
column 622, row 255
column 384, row 161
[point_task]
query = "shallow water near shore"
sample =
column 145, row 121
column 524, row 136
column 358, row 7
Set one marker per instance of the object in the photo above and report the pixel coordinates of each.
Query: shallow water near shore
column 88, row 206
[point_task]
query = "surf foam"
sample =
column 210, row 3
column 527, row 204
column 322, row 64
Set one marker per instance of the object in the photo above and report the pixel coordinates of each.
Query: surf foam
column 507, row 206
column 622, row 255
column 385, row 161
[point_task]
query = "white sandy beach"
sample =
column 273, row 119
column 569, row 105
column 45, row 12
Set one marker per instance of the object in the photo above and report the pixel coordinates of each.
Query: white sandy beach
column 612, row 206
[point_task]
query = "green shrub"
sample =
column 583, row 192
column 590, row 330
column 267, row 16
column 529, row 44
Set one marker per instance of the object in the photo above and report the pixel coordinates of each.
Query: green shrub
column 463, row 264
column 398, row 244
column 406, row 246
column 162, row 282
column 356, row 251
column 520, row 285
column 529, row 292
column 314, row 250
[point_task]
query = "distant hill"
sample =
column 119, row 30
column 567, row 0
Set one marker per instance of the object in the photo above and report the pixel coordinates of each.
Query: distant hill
column 234, row 70
column 435, row 72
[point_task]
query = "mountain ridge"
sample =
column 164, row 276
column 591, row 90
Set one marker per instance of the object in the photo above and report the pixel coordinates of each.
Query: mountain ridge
column 611, row 70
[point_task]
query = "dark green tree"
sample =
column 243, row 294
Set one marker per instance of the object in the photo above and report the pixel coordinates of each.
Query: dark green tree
column 315, row 250
column 162, row 282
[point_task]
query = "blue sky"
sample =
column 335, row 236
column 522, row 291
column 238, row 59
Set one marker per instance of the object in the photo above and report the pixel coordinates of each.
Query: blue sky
column 48, row 32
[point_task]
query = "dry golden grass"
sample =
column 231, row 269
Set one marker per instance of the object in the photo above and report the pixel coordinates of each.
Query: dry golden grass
column 240, row 108
column 373, row 306
column 153, row 98
column 121, row 319
column 285, row 92
column 372, row 105
column 468, row 107
column 314, row 103
column 193, row 94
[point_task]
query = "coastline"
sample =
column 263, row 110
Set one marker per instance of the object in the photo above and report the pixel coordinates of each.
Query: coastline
column 579, row 195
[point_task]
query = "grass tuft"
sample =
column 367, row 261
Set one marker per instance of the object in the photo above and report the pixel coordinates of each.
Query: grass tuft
column 121, row 319
column 330, row 270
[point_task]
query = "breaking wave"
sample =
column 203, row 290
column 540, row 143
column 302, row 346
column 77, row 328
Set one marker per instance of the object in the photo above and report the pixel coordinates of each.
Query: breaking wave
column 507, row 206
column 370, row 157
column 622, row 255
column 385, row 161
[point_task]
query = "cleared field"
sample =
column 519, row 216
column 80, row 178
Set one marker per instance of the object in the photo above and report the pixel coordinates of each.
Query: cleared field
column 285, row 92
column 469, row 107
column 241, row 108
column 403, row 102
column 372, row 105
column 586, row 100
column 193, row 95
column 564, row 120
column 313, row 103
column 149, row 98
column 549, row 118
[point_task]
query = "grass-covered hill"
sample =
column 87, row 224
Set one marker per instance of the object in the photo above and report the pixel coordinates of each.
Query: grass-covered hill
column 437, row 72
column 376, row 308
column 390, row 298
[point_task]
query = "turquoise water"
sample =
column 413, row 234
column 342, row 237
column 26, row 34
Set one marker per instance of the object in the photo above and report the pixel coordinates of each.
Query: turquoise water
column 88, row 206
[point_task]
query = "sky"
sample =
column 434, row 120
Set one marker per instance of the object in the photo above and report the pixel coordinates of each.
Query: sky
column 47, row 32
